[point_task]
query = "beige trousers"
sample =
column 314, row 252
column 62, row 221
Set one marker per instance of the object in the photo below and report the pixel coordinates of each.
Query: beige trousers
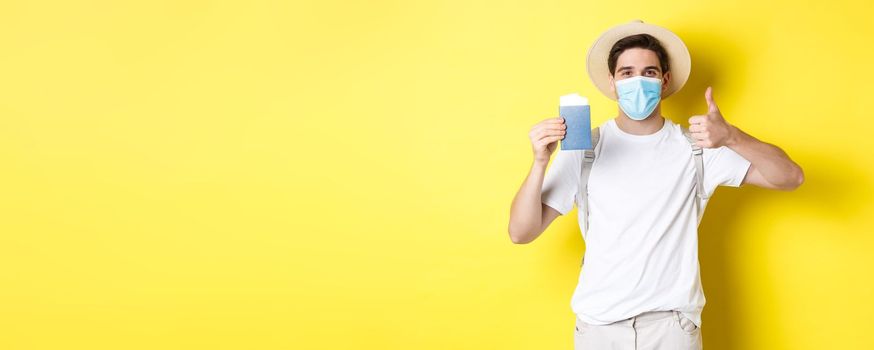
column 654, row 330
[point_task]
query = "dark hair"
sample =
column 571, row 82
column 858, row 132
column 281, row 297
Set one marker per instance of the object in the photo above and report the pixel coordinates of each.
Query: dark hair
column 644, row 41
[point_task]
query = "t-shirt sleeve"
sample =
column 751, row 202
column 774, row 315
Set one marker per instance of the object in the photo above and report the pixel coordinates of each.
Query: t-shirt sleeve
column 561, row 181
column 723, row 167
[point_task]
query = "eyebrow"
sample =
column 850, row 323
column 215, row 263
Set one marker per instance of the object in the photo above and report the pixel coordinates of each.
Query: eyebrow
column 645, row 68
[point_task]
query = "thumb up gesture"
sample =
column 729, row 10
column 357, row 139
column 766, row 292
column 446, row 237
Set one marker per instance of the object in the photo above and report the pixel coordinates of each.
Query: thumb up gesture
column 710, row 130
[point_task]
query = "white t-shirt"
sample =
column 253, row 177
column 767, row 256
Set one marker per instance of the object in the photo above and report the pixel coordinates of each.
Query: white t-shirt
column 642, row 245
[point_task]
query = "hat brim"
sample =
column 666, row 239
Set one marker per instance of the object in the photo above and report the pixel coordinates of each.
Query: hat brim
column 678, row 55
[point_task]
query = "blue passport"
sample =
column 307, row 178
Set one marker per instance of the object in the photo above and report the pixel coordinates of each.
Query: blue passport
column 575, row 111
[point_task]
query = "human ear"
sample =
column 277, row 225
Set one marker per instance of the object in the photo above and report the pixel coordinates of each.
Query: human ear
column 666, row 80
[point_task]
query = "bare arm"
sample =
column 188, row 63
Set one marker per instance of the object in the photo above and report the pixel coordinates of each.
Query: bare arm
column 770, row 166
column 529, row 217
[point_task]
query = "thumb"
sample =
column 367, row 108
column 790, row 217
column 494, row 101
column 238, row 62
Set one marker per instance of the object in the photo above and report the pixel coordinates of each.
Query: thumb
column 711, row 105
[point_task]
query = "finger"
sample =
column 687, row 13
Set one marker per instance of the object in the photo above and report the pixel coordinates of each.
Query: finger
column 554, row 125
column 552, row 122
column 696, row 128
column 711, row 104
column 546, row 133
column 547, row 127
column 696, row 119
column 558, row 120
column 547, row 140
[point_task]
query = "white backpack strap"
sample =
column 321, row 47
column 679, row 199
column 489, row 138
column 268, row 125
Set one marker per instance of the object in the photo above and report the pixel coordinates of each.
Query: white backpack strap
column 697, row 153
column 585, row 169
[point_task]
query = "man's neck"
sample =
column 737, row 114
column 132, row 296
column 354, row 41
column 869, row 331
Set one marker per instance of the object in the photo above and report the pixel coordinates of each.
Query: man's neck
column 650, row 125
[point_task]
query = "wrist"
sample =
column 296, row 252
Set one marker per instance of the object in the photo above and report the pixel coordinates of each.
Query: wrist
column 733, row 136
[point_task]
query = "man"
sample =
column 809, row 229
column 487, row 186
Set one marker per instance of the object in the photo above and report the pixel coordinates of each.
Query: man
column 640, row 286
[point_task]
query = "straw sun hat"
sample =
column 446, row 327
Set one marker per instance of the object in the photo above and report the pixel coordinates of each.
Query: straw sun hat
column 678, row 55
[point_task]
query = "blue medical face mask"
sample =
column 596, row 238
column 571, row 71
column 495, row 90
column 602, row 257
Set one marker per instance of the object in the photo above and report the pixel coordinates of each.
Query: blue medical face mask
column 638, row 96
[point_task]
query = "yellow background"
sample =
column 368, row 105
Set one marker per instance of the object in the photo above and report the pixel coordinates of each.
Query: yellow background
column 338, row 175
